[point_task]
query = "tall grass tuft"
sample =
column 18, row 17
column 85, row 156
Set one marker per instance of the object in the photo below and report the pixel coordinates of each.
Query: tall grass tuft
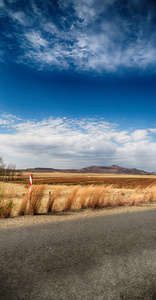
column 144, row 196
column 95, row 198
column 71, row 198
column 24, row 205
column 6, row 203
column 119, row 201
column 105, row 197
column 36, row 198
column 6, row 208
column 138, row 197
column 84, row 196
column 31, row 206
column 54, row 195
column 151, row 197
column 133, row 199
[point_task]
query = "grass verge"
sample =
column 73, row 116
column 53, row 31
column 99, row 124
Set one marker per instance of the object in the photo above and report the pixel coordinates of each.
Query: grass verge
column 64, row 198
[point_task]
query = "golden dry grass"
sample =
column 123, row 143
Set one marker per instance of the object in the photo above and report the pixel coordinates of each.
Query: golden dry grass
column 36, row 198
column 6, row 202
column 6, row 208
column 56, row 192
column 71, row 198
column 31, row 203
column 23, row 206
column 101, row 197
column 64, row 198
column 84, row 196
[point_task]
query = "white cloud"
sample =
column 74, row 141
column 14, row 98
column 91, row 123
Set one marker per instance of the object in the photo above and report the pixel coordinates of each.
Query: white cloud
column 153, row 130
column 84, row 39
column 8, row 119
column 36, row 40
column 121, row 137
column 67, row 143
column 18, row 16
column 2, row 3
column 138, row 135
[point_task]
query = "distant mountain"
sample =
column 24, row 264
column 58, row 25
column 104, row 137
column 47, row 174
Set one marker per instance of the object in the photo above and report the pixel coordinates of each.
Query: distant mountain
column 115, row 169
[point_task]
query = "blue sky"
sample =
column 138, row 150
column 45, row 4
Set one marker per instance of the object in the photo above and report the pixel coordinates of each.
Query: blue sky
column 78, row 83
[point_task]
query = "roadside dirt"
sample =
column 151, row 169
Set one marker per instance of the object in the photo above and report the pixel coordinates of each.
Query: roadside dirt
column 63, row 216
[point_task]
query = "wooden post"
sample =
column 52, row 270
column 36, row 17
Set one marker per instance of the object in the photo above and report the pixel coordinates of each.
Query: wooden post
column 30, row 199
column 49, row 206
column 49, row 196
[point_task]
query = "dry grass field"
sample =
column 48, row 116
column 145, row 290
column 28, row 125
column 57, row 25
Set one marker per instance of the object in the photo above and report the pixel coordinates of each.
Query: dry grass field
column 118, row 181
column 60, row 193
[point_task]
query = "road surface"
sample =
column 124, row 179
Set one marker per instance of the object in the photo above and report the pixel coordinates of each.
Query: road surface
column 106, row 257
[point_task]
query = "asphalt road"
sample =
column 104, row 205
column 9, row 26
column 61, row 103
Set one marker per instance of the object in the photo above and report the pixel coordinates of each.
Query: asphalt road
column 108, row 257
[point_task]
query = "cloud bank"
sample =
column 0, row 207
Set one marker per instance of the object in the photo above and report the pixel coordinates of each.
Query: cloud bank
column 92, row 35
column 75, row 143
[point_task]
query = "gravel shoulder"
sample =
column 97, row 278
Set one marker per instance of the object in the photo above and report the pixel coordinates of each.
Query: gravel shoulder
column 63, row 216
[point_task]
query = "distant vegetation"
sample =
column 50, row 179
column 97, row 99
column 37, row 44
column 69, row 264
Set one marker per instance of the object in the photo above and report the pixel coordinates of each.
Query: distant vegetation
column 9, row 173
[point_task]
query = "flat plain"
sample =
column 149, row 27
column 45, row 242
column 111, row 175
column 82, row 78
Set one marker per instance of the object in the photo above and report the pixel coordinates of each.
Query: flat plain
column 118, row 180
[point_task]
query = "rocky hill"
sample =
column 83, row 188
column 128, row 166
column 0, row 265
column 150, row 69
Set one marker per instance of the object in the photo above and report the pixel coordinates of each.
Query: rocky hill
column 115, row 169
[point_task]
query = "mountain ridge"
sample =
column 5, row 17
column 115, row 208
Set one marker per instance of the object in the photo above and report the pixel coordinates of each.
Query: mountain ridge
column 114, row 169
